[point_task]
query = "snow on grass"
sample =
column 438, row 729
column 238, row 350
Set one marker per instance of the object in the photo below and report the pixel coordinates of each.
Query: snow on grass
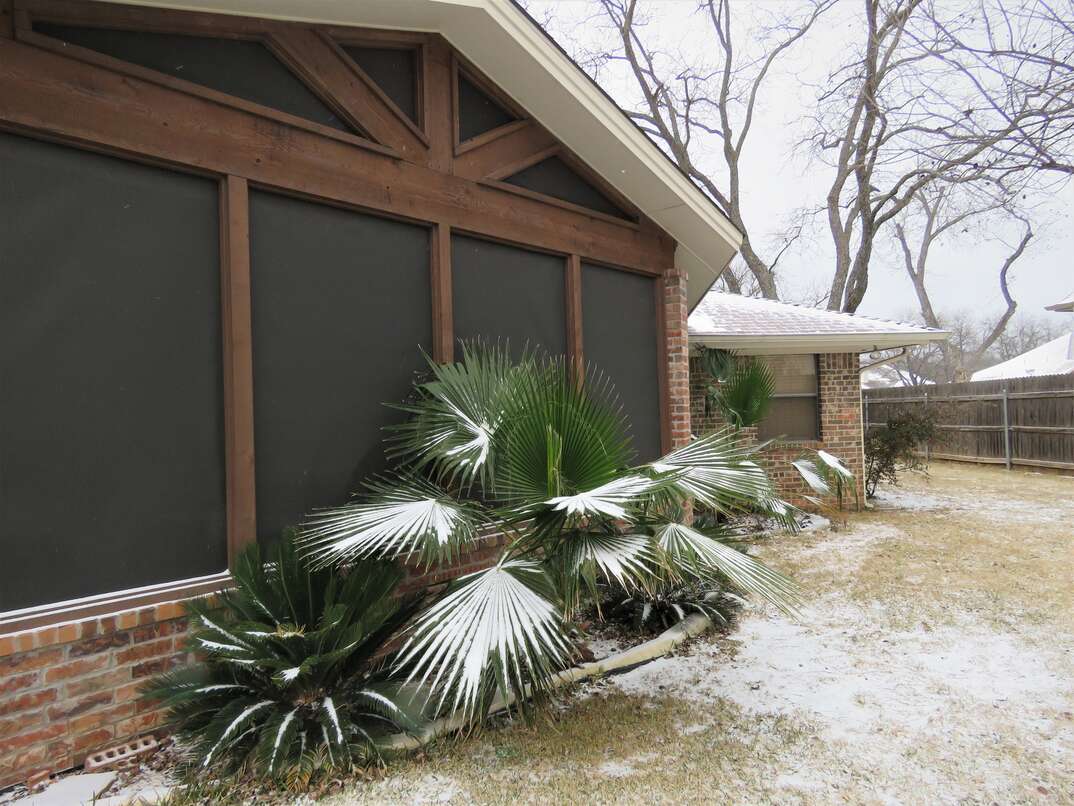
column 991, row 507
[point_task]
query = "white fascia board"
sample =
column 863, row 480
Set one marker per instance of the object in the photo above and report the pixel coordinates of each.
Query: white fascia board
column 835, row 343
column 502, row 42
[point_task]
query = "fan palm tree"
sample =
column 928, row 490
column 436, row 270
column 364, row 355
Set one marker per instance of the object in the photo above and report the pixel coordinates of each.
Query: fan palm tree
column 522, row 448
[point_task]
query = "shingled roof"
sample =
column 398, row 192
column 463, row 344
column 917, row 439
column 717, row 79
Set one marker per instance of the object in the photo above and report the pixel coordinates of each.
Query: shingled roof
column 753, row 325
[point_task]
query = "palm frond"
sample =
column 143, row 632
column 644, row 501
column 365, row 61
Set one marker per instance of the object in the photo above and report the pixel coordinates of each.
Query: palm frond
column 559, row 436
column 398, row 517
column 456, row 416
column 719, row 471
column 745, row 396
column 689, row 550
column 611, row 500
column 497, row 627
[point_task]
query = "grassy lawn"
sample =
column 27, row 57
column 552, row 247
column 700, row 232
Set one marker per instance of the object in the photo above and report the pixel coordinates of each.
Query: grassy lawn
column 935, row 665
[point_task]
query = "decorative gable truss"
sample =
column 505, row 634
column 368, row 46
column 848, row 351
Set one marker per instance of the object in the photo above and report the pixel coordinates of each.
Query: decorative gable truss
column 403, row 94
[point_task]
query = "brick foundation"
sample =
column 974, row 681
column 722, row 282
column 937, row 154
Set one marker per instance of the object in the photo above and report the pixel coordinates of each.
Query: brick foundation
column 839, row 390
column 69, row 690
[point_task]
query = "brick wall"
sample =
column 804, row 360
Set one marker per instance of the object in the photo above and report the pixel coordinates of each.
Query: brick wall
column 839, row 391
column 69, row 690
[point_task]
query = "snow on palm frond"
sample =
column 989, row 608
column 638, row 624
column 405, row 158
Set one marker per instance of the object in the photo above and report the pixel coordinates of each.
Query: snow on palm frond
column 456, row 416
column 719, row 472
column 401, row 517
column 811, row 475
column 611, row 499
column 624, row 559
column 496, row 623
column 691, row 550
column 836, row 464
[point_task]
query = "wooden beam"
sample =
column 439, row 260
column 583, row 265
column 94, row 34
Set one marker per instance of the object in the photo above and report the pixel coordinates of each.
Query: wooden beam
column 507, row 155
column 72, row 101
column 325, row 65
column 438, row 103
column 238, row 364
column 575, row 346
column 443, row 319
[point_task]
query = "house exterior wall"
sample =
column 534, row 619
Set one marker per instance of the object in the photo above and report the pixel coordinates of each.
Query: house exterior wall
column 69, row 675
column 839, row 399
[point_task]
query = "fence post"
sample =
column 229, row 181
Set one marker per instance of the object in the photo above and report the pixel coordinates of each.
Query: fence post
column 928, row 447
column 1006, row 432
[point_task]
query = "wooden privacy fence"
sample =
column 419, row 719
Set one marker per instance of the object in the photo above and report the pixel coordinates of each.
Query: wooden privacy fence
column 1018, row 421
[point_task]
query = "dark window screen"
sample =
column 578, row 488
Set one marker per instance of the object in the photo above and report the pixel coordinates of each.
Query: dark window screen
column 555, row 178
column 111, row 402
column 341, row 311
column 503, row 293
column 478, row 113
column 394, row 70
column 619, row 340
column 245, row 69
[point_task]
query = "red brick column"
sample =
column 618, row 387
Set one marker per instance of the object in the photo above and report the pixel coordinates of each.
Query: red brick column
column 677, row 351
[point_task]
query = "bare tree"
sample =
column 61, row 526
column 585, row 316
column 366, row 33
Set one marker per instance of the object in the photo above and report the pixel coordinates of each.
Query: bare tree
column 904, row 113
column 1019, row 55
column 940, row 210
column 683, row 101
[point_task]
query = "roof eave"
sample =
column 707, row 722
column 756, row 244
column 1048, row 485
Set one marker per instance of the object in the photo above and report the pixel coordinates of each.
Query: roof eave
column 782, row 344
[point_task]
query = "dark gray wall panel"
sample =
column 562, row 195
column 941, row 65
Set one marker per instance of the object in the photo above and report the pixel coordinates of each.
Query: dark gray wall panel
column 245, row 69
column 619, row 339
column 341, row 310
column 506, row 293
column 394, row 70
column 478, row 113
column 555, row 178
column 111, row 402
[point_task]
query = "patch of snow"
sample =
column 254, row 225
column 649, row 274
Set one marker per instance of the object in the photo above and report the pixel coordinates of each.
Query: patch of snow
column 991, row 508
column 624, row 769
column 604, row 647
column 854, row 680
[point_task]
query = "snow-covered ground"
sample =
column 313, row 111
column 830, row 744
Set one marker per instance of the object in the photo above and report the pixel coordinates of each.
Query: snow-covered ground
column 934, row 665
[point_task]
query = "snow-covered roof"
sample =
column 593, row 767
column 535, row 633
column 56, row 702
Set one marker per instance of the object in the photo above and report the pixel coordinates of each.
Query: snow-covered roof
column 1065, row 306
column 763, row 326
column 1056, row 357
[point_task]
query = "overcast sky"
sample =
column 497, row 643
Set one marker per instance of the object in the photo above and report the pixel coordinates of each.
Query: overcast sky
column 779, row 179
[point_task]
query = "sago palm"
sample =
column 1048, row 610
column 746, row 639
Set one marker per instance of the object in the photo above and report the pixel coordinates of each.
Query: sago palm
column 292, row 666
column 522, row 448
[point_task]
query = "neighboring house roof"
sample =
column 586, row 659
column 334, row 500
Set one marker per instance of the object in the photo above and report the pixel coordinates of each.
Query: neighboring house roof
column 500, row 39
column 763, row 326
column 1056, row 357
column 1066, row 306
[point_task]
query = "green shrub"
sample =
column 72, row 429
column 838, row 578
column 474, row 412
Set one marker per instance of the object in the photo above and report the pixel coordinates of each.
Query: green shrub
column 666, row 605
column 892, row 448
column 292, row 667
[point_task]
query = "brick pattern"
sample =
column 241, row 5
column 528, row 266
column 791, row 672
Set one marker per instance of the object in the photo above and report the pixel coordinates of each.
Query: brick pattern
column 71, row 689
column 677, row 340
column 839, row 389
